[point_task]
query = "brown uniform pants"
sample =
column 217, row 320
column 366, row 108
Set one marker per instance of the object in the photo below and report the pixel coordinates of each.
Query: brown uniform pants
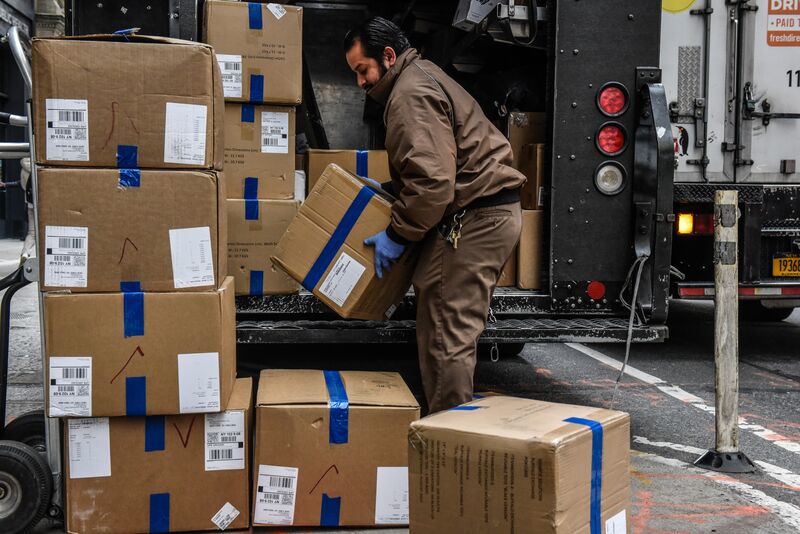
column 454, row 289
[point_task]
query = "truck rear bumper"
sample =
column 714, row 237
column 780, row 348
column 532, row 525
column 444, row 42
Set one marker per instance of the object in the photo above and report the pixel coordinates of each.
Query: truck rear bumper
column 705, row 291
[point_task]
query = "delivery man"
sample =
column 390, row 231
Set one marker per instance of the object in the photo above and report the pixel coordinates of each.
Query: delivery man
column 457, row 200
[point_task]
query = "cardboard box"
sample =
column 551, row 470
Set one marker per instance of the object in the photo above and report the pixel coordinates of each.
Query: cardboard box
column 165, row 229
column 259, row 151
column 525, row 128
column 504, row 464
column 508, row 276
column 370, row 163
column 135, row 353
column 531, row 164
column 336, row 265
column 340, row 457
column 259, row 48
column 160, row 474
column 127, row 101
column 529, row 250
column 255, row 228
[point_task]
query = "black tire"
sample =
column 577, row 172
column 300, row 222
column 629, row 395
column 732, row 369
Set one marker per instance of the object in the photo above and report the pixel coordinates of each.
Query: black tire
column 26, row 487
column 753, row 310
column 28, row 429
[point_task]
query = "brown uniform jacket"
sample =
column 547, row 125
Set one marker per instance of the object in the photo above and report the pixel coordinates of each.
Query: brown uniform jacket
column 443, row 151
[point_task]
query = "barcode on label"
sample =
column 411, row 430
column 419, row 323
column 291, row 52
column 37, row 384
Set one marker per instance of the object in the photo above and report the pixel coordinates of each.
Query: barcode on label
column 73, row 372
column 227, row 65
column 281, row 482
column 65, row 388
column 62, row 258
column 62, row 131
column 229, row 439
column 272, row 496
column 270, row 141
column 70, row 242
column 220, row 454
column 71, row 116
column 276, row 131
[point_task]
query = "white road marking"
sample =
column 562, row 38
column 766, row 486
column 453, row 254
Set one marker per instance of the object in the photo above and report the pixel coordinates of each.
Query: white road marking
column 684, row 396
column 788, row 513
column 778, row 473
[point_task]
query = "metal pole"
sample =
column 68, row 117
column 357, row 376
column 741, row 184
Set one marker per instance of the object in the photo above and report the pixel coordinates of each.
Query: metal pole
column 726, row 456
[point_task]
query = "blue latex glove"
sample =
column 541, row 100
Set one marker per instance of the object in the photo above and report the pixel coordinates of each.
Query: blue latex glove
column 386, row 252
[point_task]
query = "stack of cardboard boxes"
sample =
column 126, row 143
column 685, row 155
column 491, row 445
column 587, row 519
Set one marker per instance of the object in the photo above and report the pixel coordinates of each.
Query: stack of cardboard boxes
column 139, row 315
column 259, row 51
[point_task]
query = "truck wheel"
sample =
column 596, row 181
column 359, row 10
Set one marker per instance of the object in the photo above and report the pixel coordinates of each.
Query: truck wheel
column 753, row 310
column 28, row 429
column 26, row 486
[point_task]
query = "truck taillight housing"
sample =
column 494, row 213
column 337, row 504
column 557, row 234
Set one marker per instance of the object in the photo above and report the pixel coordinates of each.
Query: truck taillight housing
column 612, row 99
column 611, row 139
column 609, row 178
column 695, row 224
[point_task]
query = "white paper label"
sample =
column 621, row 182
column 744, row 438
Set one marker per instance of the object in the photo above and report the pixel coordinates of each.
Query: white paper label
column 185, row 134
column 89, row 447
column 391, row 496
column 274, row 132
column 66, row 255
column 541, row 197
column 230, row 66
column 341, row 280
column 70, row 386
column 225, row 516
column 198, row 382
column 276, row 493
column 67, row 129
column 278, row 10
column 617, row 524
column 300, row 185
column 224, row 441
column 192, row 257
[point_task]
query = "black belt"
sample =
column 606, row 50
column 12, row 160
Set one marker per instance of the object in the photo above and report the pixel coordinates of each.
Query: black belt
column 504, row 196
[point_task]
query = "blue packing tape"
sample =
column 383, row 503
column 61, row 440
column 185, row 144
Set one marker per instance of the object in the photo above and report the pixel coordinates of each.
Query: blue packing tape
column 465, row 408
column 337, row 238
column 128, row 163
column 254, row 19
column 135, row 396
column 133, row 308
column 154, row 426
column 256, row 282
column 251, row 198
column 159, row 512
column 248, row 113
column 130, row 177
column 338, row 406
column 362, row 162
column 329, row 511
column 597, row 471
column 256, row 88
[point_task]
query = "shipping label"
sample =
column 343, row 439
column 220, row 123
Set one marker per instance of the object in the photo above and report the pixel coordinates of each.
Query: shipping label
column 67, row 129
column 226, row 515
column 70, row 386
column 66, row 256
column 391, row 496
column 276, row 494
column 274, row 132
column 278, row 10
column 192, row 257
column 185, row 134
column 617, row 524
column 341, row 280
column 225, row 441
column 198, row 382
column 89, row 447
column 230, row 66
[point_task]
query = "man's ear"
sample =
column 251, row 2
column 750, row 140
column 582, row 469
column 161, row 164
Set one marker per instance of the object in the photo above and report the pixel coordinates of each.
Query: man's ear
column 389, row 57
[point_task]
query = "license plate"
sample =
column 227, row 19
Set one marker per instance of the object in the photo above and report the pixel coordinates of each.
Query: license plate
column 786, row 266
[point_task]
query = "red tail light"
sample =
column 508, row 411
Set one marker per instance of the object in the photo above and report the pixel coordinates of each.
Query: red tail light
column 611, row 139
column 612, row 99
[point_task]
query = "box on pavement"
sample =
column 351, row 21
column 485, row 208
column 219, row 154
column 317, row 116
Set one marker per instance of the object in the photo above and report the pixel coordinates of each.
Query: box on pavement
column 526, row 132
column 259, row 151
column 508, row 276
column 259, row 48
column 504, row 464
column 162, row 473
column 255, row 226
column 166, row 229
column 127, row 101
column 331, row 448
column 529, row 250
column 370, row 163
column 135, row 353
column 324, row 250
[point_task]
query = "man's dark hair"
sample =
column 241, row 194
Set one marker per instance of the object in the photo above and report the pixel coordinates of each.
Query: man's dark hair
column 376, row 34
